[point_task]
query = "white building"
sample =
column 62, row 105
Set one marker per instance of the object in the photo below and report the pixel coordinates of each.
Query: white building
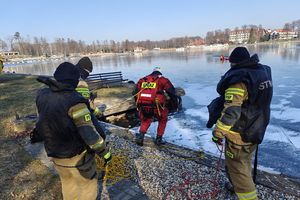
column 239, row 36
column 282, row 34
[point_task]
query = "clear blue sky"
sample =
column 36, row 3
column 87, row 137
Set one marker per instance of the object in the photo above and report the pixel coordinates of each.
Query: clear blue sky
column 138, row 19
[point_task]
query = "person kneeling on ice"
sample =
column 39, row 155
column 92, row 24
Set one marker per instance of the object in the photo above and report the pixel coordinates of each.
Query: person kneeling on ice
column 151, row 102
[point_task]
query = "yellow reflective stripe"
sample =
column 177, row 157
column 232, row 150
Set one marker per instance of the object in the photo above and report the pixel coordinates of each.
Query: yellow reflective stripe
column 98, row 145
column 106, row 156
column 236, row 91
column 82, row 89
column 85, row 92
column 79, row 113
column 224, row 127
column 247, row 196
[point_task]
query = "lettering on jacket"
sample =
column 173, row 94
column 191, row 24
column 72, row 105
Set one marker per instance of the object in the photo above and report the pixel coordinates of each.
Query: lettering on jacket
column 265, row 85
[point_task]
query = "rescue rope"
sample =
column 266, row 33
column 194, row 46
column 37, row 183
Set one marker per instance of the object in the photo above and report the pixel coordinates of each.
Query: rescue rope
column 117, row 170
column 121, row 168
column 185, row 187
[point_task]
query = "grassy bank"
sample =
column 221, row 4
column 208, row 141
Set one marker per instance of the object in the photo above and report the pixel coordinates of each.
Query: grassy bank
column 21, row 176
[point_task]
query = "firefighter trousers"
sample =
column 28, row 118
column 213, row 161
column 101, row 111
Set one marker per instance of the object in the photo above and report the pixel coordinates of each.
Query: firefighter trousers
column 161, row 116
column 239, row 169
column 80, row 182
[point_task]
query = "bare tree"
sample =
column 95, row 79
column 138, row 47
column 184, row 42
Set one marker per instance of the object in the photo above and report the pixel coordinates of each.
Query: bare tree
column 3, row 45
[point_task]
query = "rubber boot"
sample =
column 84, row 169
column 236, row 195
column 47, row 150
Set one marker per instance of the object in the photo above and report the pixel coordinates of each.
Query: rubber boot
column 158, row 141
column 139, row 139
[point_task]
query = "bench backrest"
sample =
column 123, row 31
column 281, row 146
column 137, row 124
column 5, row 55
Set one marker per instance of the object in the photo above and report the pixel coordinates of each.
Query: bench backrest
column 100, row 80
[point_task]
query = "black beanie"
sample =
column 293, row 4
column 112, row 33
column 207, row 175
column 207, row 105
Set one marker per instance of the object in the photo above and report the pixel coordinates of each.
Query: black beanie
column 238, row 55
column 85, row 67
column 85, row 63
column 67, row 73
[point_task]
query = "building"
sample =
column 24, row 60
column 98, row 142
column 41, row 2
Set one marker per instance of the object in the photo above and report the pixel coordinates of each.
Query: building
column 244, row 35
column 239, row 36
column 9, row 53
column 282, row 34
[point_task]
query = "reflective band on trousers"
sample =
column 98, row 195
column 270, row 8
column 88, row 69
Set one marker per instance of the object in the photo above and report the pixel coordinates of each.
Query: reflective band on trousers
column 236, row 91
column 247, row 195
column 224, row 127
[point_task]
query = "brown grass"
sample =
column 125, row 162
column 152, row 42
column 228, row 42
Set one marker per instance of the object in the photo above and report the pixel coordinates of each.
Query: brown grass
column 21, row 176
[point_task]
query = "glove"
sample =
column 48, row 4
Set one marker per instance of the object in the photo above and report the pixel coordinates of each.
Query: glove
column 218, row 141
column 107, row 158
column 106, row 155
column 97, row 112
column 93, row 96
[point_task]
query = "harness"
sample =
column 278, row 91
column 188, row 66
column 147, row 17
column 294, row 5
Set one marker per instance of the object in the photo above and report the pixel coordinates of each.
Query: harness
column 148, row 99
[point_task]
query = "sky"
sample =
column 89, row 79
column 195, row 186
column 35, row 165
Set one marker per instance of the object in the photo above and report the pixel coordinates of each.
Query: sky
column 118, row 20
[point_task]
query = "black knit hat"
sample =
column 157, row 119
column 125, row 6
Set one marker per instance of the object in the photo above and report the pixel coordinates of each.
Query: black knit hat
column 85, row 67
column 238, row 55
column 67, row 73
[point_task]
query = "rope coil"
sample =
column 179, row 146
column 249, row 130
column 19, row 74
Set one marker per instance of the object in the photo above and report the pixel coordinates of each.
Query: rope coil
column 185, row 188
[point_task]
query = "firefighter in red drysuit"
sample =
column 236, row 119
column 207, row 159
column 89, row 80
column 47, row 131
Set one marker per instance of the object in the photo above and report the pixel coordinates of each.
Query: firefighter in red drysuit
column 152, row 93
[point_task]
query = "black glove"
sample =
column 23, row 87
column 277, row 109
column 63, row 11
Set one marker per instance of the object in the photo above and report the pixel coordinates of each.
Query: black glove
column 216, row 140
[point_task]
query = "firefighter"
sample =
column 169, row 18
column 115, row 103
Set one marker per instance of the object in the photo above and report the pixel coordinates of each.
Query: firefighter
column 85, row 67
column 151, row 102
column 246, row 90
column 70, row 138
column 1, row 64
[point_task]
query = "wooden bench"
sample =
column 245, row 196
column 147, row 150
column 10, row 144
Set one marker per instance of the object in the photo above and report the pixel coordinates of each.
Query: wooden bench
column 96, row 81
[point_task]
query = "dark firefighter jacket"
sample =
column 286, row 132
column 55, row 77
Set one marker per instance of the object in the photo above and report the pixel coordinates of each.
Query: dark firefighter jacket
column 247, row 91
column 65, row 121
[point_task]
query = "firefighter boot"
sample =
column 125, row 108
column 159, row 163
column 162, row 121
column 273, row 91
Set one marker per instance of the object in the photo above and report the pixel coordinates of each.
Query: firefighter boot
column 139, row 139
column 159, row 141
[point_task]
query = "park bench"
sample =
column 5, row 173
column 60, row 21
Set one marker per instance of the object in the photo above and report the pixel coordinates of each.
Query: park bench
column 101, row 80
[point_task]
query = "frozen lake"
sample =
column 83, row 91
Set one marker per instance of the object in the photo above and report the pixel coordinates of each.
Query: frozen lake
column 198, row 72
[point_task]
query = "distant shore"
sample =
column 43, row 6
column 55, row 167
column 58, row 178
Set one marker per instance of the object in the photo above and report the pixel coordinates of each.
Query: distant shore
column 25, row 59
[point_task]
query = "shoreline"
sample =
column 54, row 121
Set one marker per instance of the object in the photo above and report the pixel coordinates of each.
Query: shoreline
column 31, row 60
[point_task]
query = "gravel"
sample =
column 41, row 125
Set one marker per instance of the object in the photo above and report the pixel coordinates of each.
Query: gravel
column 163, row 175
